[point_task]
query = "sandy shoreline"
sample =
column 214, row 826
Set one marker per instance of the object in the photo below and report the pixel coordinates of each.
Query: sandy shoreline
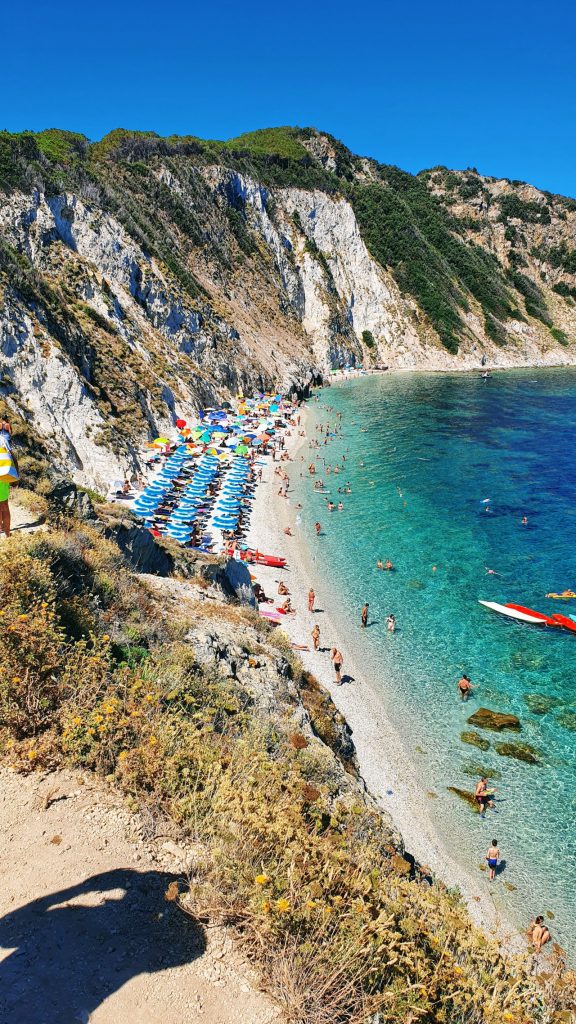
column 386, row 769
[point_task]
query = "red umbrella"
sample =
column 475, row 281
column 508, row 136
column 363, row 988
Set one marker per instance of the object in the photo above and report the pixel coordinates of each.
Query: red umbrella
column 180, row 423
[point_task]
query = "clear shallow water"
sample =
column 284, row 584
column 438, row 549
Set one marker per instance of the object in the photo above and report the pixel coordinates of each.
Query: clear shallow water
column 432, row 448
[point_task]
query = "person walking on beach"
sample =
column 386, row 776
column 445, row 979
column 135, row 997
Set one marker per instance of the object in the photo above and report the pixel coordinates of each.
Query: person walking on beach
column 364, row 616
column 337, row 659
column 316, row 637
column 311, row 597
column 492, row 857
column 465, row 687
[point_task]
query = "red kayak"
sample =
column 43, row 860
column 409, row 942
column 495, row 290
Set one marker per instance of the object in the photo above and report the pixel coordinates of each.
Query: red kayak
column 549, row 620
column 260, row 559
column 278, row 563
column 565, row 622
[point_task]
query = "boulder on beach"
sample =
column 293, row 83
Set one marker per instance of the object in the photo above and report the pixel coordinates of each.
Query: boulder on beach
column 484, row 718
column 475, row 739
column 521, row 751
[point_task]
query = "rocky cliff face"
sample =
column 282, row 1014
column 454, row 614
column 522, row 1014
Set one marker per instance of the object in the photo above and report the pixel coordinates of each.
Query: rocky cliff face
column 141, row 278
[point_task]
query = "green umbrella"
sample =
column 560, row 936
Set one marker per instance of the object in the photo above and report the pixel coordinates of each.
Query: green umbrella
column 241, row 450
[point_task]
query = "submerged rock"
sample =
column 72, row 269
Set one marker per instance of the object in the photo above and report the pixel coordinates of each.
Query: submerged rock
column 479, row 771
column 475, row 740
column 484, row 718
column 541, row 703
column 567, row 718
column 464, row 794
column 521, row 751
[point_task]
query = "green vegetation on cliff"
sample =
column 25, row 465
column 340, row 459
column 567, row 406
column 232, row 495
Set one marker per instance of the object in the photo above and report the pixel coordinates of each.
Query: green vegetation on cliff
column 407, row 227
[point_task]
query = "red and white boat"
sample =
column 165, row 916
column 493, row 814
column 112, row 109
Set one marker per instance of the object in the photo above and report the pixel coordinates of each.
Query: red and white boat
column 514, row 613
column 549, row 620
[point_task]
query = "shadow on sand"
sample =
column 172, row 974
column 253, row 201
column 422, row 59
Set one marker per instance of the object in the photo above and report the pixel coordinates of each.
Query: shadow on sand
column 70, row 950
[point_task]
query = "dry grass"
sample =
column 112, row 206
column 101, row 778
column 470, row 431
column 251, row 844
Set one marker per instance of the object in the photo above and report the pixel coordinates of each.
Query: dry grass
column 90, row 678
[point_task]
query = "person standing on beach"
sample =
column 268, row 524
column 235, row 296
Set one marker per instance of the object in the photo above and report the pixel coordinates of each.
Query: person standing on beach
column 316, row 637
column 337, row 659
column 391, row 623
column 318, row 529
column 364, row 616
column 311, row 597
column 492, row 857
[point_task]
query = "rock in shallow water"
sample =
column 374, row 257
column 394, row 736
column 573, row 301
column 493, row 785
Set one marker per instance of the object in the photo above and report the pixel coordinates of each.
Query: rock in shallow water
column 464, row 794
column 478, row 771
column 521, row 751
column 475, row 740
column 541, row 703
column 567, row 718
column 484, row 718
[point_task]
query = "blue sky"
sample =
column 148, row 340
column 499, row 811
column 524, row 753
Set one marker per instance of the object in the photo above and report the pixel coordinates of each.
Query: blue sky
column 462, row 84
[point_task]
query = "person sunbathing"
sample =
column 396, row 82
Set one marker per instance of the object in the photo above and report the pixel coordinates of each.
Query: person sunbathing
column 282, row 588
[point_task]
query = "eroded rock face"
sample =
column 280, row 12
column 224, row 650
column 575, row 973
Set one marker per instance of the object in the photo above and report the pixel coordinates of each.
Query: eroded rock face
column 484, row 718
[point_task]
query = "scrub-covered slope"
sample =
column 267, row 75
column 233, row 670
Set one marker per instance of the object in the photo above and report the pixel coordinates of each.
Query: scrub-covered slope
column 141, row 275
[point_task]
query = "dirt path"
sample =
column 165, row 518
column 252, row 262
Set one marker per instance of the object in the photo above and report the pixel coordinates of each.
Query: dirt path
column 86, row 936
column 22, row 520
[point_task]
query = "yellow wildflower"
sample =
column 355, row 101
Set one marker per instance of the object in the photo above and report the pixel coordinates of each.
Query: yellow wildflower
column 32, row 754
column 16, row 679
column 91, row 732
column 105, row 638
column 122, row 755
column 77, row 720
column 282, row 905
column 266, row 907
column 261, row 879
column 311, row 905
column 153, row 741
column 22, row 618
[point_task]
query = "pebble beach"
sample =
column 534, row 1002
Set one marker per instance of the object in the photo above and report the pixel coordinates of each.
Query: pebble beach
column 389, row 775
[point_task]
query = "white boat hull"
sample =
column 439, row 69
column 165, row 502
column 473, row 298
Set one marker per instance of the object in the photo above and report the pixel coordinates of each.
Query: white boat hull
column 512, row 613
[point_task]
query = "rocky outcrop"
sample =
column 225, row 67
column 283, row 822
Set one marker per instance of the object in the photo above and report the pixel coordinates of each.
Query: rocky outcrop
column 484, row 718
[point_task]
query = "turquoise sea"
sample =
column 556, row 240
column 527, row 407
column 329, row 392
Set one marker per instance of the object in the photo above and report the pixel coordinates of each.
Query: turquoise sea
column 422, row 452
